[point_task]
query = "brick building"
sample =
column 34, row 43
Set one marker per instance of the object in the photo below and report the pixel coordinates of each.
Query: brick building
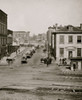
column 3, row 33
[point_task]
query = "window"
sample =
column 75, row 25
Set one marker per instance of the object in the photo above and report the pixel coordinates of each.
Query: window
column 5, row 41
column 61, row 52
column 79, row 52
column 0, row 40
column 78, row 39
column 61, row 39
column 0, row 50
column 70, row 39
column 0, row 28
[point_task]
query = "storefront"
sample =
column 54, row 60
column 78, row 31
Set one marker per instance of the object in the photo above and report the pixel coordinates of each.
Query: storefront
column 76, row 63
column 3, row 51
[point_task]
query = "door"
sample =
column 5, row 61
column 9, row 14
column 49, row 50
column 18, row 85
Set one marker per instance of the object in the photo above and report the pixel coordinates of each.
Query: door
column 79, row 65
column 70, row 54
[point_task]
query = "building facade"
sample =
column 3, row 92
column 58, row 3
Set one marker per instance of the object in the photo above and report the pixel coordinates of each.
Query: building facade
column 9, row 41
column 51, row 39
column 3, row 33
column 67, row 43
column 20, row 37
column 41, row 38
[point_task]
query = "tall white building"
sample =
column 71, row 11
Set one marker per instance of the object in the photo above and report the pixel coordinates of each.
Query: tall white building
column 67, row 42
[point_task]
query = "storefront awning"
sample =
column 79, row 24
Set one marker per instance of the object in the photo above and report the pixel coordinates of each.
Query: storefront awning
column 76, row 58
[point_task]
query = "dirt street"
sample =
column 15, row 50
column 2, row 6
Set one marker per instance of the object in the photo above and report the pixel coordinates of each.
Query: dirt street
column 34, row 76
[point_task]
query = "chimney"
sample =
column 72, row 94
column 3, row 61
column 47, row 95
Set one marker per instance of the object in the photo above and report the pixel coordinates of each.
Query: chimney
column 56, row 25
column 81, row 26
column 70, row 27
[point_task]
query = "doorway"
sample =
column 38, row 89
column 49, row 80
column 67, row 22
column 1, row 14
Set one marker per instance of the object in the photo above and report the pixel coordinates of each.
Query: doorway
column 79, row 65
column 70, row 54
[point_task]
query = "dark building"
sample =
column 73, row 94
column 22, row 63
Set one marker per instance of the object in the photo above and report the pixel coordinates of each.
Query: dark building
column 3, row 33
column 9, row 41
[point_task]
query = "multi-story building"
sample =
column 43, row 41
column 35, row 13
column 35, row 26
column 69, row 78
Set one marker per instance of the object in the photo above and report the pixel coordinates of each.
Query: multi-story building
column 20, row 37
column 41, row 38
column 9, row 41
column 67, row 43
column 10, row 37
column 3, row 33
column 50, row 38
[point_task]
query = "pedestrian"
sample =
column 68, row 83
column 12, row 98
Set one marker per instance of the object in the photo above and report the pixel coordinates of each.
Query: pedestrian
column 16, row 52
column 63, row 60
column 47, row 61
column 74, row 66
column 19, row 51
column 60, row 61
column 8, row 61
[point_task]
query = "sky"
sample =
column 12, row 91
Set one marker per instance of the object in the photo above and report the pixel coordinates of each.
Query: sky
column 37, row 15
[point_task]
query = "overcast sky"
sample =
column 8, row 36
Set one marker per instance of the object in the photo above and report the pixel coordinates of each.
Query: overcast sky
column 37, row 15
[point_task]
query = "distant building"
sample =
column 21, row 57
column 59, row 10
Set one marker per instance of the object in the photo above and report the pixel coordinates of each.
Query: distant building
column 3, row 33
column 20, row 37
column 49, row 38
column 38, row 39
column 9, row 37
column 9, row 41
column 41, row 37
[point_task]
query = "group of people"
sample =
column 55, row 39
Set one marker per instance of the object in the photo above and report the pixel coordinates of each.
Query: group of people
column 63, row 61
column 48, row 61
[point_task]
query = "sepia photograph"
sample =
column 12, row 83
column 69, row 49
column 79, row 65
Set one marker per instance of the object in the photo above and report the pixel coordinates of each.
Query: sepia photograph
column 40, row 49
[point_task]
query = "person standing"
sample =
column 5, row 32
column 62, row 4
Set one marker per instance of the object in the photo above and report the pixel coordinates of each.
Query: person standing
column 47, row 61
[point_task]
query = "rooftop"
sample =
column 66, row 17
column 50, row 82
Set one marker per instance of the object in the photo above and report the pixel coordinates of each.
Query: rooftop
column 68, row 29
column 3, row 12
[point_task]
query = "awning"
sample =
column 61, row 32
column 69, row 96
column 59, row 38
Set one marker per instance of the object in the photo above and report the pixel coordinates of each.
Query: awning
column 76, row 58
